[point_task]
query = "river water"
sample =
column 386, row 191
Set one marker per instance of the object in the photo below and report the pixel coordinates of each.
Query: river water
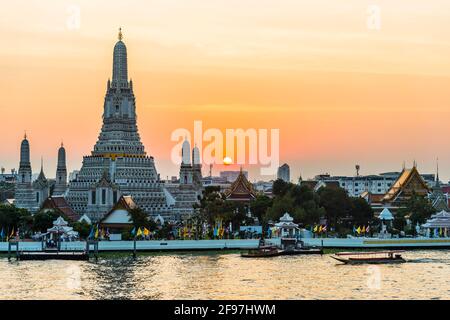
column 226, row 276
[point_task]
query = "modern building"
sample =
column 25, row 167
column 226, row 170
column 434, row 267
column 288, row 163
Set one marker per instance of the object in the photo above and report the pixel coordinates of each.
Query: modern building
column 374, row 184
column 284, row 173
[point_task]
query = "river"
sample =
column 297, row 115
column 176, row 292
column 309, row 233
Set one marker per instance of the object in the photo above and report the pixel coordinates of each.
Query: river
column 226, row 276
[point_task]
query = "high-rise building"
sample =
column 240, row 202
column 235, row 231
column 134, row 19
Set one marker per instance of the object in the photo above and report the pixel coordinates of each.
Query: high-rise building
column 284, row 173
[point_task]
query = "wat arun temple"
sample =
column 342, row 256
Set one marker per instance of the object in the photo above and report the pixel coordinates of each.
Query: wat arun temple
column 117, row 166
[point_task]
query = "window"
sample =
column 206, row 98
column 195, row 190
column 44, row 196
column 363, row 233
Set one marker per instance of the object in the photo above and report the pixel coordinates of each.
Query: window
column 103, row 196
column 37, row 197
column 114, row 197
column 93, row 195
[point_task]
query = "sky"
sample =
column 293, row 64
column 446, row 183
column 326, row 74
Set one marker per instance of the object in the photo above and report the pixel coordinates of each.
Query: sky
column 346, row 82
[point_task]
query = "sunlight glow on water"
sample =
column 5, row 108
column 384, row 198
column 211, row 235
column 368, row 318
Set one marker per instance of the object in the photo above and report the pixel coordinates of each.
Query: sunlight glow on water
column 226, row 276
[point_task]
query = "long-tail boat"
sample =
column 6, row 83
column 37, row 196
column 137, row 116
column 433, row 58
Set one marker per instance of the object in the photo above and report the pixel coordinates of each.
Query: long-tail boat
column 374, row 257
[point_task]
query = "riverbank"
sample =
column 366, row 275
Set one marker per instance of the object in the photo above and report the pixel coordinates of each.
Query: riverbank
column 239, row 244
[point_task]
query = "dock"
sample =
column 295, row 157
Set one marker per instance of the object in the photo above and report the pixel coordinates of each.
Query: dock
column 55, row 255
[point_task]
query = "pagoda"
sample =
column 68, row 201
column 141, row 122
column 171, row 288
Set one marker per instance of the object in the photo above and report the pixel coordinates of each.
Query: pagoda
column 118, row 164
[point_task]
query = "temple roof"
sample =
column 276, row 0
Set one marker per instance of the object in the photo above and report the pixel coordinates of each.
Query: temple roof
column 119, row 213
column 408, row 179
column 240, row 189
column 59, row 203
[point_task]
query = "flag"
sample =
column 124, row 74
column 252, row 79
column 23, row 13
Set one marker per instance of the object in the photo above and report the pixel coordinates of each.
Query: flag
column 367, row 229
column 91, row 233
column 358, row 230
column 2, row 234
column 324, row 229
column 107, row 232
column 320, row 228
column 12, row 233
column 133, row 231
column 139, row 232
column 354, row 229
column 363, row 230
column 315, row 229
column 146, row 232
column 96, row 233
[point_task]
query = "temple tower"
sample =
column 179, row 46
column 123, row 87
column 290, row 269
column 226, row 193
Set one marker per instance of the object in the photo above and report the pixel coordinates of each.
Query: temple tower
column 24, row 197
column 186, row 177
column 118, row 164
column 61, row 172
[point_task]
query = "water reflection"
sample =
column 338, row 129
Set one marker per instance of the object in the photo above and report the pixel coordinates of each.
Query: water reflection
column 226, row 276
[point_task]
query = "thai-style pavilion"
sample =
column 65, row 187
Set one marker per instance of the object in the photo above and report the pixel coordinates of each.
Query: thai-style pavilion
column 118, row 218
column 241, row 189
column 438, row 225
column 408, row 183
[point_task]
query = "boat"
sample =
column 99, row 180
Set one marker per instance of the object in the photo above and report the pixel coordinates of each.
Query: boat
column 262, row 252
column 294, row 246
column 374, row 257
column 306, row 250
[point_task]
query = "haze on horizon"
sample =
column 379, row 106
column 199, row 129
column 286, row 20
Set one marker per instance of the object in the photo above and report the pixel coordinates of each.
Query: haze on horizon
column 340, row 93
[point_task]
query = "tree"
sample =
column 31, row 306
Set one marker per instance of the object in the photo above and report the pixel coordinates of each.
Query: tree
column 361, row 212
column 83, row 228
column 260, row 205
column 140, row 219
column 418, row 208
column 280, row 187
column 12, row 217
column 336, row 202
column 43, row 220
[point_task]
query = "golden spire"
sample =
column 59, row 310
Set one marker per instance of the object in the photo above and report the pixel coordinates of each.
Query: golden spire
column 25, row 135
column 120, row 34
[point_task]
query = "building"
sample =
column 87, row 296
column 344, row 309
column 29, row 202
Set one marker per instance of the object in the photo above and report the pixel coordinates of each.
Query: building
column 231, row 176
column 118, row 219
column 439, row 199
column 373, row 184
column 60, row 205
column 24, row 196
column 241, row 189
column 41, row 188
column 187, row 191
column 408, row 183
column 118, row 164
column 61, row 172
column 284, row 173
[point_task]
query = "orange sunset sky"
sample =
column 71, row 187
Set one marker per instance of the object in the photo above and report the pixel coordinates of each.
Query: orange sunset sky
column 341, row 93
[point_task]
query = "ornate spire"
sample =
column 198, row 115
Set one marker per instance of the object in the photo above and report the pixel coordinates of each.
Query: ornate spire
column 120, row 68
column 437, row 172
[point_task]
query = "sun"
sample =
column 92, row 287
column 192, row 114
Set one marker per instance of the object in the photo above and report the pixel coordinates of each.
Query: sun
column 227, row 161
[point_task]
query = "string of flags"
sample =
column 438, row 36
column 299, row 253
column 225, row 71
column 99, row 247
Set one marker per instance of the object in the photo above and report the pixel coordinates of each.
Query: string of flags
column 319, row 228
column 361, row 229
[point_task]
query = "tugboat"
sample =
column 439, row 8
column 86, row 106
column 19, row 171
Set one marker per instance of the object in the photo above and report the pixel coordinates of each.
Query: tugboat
column 263, row 251
column 294, row 247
